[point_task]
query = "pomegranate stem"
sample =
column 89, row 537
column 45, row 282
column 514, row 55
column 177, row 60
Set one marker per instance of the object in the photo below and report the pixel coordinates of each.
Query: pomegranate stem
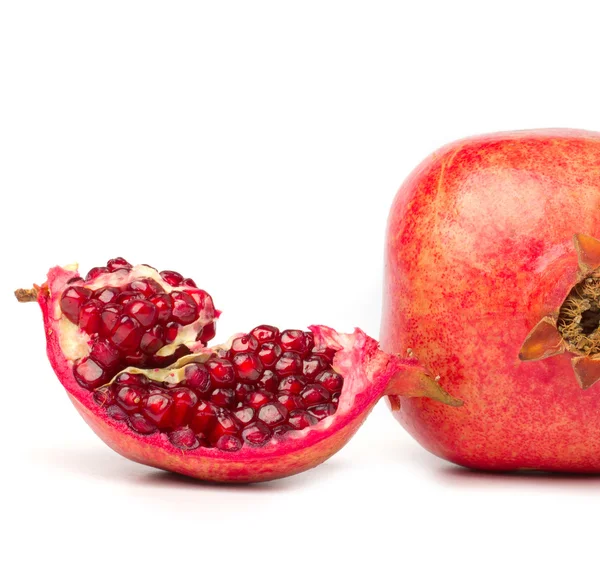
column 26, row 295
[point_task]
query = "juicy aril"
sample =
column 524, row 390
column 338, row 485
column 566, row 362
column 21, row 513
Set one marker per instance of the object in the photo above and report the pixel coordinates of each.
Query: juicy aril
column 129, row 346
column 493, row 280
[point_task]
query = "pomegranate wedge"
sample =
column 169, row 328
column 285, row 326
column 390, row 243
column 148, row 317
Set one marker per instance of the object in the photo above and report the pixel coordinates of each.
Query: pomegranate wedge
column 129, row 346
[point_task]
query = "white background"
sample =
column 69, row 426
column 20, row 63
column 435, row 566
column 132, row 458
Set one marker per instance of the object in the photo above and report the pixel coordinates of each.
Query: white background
column 256, row 147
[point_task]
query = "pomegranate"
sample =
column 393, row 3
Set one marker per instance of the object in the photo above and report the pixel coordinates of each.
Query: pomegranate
column 492, row 278
column 129, row 346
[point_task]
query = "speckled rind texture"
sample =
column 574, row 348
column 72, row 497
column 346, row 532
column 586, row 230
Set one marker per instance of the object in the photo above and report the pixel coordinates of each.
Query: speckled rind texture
column 480, row 248
column 367, row 373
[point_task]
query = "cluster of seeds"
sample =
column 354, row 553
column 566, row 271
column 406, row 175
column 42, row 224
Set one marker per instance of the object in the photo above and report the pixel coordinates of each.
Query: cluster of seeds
column 128, row 325
column 266, row 384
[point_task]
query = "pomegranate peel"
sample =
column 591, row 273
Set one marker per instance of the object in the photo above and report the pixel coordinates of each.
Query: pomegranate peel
column 232, row 412
column 479, row 273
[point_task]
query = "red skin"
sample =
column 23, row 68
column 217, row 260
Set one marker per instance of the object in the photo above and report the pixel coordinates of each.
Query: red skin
column 479, row 249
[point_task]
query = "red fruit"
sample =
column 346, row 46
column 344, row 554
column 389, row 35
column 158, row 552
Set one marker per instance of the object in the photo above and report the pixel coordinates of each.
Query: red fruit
column 484, row 284
column 157, row 416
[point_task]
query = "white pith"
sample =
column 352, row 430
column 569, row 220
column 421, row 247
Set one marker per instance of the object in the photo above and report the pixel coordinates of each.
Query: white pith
column 74, row 342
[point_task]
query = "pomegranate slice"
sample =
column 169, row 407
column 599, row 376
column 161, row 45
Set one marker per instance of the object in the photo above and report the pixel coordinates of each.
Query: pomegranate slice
column 264, row 405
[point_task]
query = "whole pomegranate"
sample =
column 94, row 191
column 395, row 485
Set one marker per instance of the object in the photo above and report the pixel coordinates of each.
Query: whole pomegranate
column 492, row 279
column 129, row 345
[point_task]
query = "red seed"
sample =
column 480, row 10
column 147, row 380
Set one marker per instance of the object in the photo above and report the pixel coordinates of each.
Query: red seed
column 291, row 385
column 203, row 417
column 229, row 443
column 164, row 306
column 157, row 408
column 71, row 301
column 196, row 377
column 221, row 372
column 293, row 340
column 242, row 390
column 141, row 425
column 256, row 434
column 322, row 411
column 144, row 312
column 269, row 353
column 171, row 332
column 289, row 363
column 244, row 415
column 89, row 316
column 273, row 414
column 223, row 397
column 313, row 365
column 207, row 334
column 264, row 333
column 130, row 379
column 118, row 264
column 184, row 402
column 105, row 354
column 145, row 286
column 247, row 367
column 225, row 425
column 109, row 318
column 314, row 394
column 89, row 374
column 127, row 334
column 290, row 401
column 126, row 297
column 246, row 343
column 116, row 413
column 185, row 310
column 184, row 439
column 172, row 278
column 332, row 381
column 281, row 430
column 188, row 281
column 268, row 381
column 103, row 396
column 130, row 398
column 107, row 294
column 200, row 297
column 95, row 272
column 299, row 419
column 152, row 340
column 258, row 399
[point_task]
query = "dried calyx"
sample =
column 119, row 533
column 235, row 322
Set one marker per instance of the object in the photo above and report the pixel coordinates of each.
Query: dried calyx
column 574, row 327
